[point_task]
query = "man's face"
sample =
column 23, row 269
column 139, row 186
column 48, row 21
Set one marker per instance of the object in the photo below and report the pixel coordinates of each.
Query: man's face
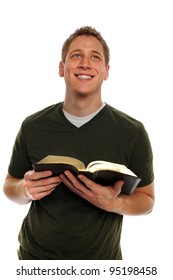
column 84, row 69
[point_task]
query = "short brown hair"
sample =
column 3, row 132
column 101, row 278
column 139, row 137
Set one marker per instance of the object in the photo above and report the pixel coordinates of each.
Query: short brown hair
column 88, row 31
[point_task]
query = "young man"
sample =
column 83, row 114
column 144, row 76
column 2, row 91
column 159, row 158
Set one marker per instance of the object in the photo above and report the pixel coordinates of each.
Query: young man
column 69, row 217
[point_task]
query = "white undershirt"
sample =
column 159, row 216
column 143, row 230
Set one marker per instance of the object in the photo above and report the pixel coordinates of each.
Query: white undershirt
column 79, row 121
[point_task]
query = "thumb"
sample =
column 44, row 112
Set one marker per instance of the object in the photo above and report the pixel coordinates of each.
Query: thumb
column 118, row 186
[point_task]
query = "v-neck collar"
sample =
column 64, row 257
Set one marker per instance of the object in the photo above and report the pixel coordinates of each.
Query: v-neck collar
column 92, row 119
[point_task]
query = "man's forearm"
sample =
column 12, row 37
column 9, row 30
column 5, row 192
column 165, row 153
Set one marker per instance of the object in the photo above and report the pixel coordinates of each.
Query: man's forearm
column 139, row 203
column 15, row 191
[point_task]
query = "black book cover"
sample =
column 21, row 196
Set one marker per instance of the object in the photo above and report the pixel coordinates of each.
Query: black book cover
column 102, row 177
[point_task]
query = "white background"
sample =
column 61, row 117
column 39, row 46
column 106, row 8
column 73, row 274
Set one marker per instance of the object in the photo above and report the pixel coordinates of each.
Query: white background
column 140, row 36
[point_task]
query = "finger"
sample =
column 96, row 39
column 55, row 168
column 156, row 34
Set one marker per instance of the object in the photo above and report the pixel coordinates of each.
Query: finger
column 39, row 189
column 48, row 181
column 88, row 182
column 33, row 175
column 34, row 181
column 77, row 183
column 73, row 183
column 40, row 195
column 71, row 178
column 65, row 180
column 28, row 194
column 39, row 192
column 95, row 188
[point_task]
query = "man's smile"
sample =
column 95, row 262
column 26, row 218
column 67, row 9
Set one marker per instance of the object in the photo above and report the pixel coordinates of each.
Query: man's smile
column 83, row 76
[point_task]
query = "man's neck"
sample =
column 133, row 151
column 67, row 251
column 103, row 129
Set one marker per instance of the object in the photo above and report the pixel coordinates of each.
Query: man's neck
column 81, row 107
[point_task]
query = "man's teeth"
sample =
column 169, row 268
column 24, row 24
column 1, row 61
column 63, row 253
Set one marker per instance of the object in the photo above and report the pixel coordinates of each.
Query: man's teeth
column 84, row 77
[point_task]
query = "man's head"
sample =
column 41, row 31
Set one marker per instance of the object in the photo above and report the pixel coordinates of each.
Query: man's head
column 84, row 64
column 87, row 31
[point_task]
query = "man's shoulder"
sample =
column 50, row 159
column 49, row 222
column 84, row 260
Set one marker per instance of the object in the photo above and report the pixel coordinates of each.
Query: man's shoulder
column 43, row 114
column 123, row 118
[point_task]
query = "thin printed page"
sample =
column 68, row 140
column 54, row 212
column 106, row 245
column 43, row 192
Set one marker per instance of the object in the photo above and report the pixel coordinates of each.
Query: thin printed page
column 105, row 165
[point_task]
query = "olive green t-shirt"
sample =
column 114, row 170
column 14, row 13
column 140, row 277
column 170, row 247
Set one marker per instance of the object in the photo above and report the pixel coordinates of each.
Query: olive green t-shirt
column 63, row 225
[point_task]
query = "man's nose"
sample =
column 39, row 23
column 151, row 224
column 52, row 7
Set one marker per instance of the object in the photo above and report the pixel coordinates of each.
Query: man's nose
column 85, row 62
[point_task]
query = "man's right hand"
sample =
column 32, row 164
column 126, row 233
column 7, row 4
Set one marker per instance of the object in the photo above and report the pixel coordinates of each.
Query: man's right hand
column 34, row 186
column 39, row 184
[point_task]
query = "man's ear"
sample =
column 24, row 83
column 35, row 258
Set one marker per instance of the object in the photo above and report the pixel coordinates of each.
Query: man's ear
column 107, row 73
column 61, row 69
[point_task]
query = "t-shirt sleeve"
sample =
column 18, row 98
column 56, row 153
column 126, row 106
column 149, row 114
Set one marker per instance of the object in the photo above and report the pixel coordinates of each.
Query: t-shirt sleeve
column 142, row 158
column 20, row 162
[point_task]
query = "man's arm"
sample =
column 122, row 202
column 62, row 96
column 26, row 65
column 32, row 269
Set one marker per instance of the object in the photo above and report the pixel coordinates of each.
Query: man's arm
column 141, row 202
column 34, row 186
column 109, row 198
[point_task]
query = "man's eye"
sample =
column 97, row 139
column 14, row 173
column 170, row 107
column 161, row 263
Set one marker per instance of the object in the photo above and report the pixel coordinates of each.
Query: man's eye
column 76, row 55
column 95, row 57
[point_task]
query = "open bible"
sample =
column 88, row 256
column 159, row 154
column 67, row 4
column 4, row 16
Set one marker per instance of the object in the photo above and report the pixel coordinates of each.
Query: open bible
column 102, row 172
